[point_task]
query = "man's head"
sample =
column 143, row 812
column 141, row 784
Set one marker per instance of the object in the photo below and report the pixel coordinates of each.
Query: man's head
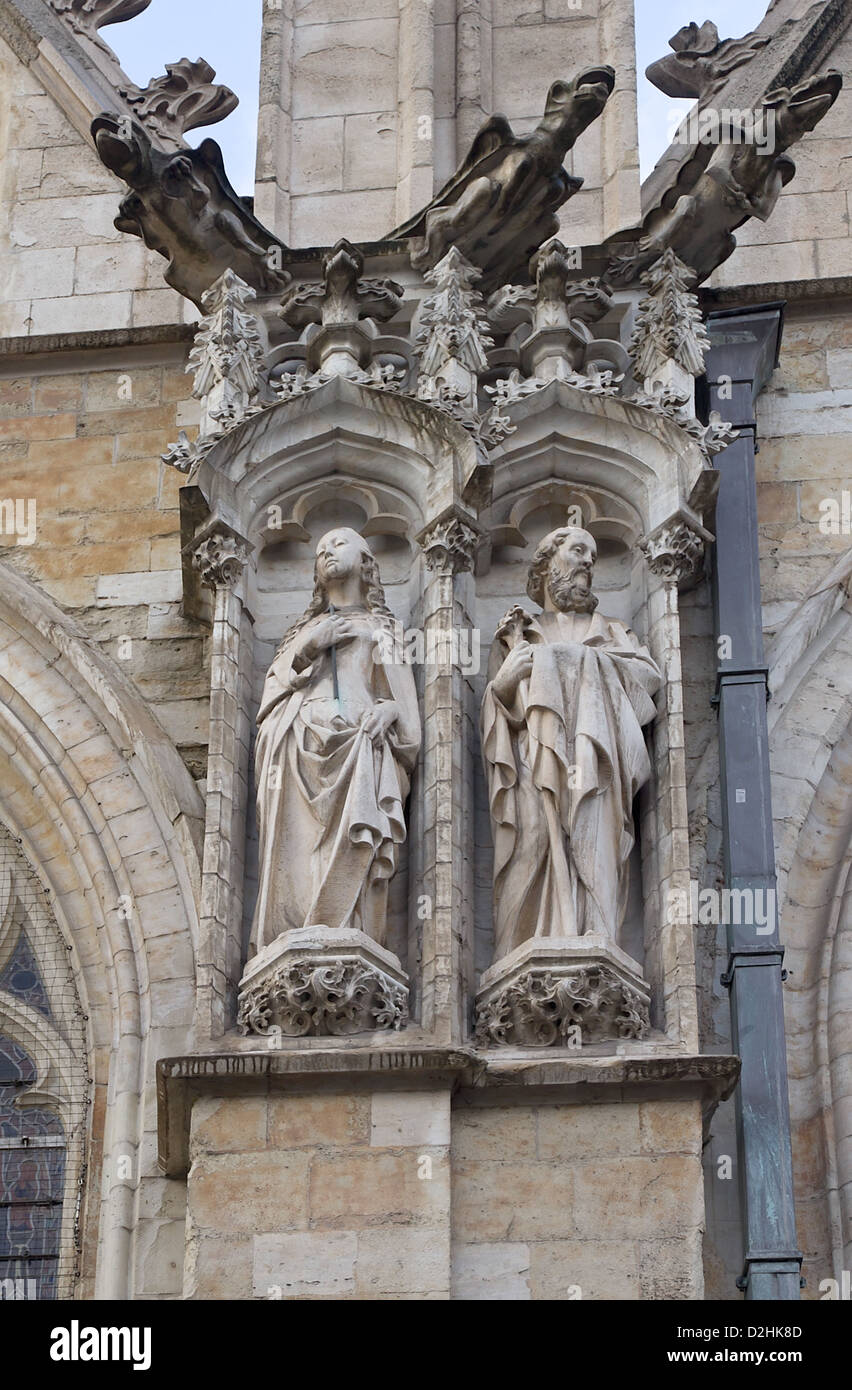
column 561, row 571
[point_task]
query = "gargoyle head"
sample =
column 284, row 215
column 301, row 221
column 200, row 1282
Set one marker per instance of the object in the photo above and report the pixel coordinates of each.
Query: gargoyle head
column 571, row 106
column 800, row 109
column 181, row 204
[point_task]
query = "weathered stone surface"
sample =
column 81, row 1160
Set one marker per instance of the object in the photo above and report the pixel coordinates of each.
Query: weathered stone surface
column 492, row 1271
column 405, row 1119
column 243, row 1193
column 302, row 1121
column 378, row 1187
column 314, row 1264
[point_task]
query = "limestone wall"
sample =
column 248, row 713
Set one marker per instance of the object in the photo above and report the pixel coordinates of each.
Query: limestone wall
column 66, row 267
column 325, row 1195
column 352, row 1196
column 80, row 441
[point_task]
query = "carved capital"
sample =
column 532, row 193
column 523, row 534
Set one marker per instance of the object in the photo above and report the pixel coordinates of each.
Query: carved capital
column 568, row 1006
column 675, row 552
column 220, row 559
column 449, row 546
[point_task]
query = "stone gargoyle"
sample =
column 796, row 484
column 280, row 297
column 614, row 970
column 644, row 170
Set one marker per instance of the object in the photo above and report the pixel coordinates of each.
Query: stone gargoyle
column 742, row 179
column 182, row 205
column 500, row 204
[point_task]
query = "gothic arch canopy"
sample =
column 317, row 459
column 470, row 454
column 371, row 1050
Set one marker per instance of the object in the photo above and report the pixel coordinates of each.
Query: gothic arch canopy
column 340, row 428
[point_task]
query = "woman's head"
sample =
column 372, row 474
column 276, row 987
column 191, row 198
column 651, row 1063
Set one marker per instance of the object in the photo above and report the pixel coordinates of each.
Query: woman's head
column 339, row 554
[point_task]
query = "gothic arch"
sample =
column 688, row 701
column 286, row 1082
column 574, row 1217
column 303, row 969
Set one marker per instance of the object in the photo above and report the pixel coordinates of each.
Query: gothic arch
column 109, row 818
column 816, row 927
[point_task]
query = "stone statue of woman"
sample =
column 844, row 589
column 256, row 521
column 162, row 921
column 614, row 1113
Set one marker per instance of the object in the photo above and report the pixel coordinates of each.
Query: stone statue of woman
column 338, row 735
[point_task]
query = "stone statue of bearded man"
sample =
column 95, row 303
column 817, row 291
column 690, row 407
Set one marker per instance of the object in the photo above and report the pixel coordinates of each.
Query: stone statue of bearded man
column 567, row 696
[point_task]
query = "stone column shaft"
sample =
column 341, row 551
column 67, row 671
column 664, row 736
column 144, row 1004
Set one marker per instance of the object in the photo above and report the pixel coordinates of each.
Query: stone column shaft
column 274, row 123
column 446, row 863
column 416, row 75
column 220, row 559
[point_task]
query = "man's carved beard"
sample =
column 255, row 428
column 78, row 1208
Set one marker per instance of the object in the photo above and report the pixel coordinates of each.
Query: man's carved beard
column 568, row 590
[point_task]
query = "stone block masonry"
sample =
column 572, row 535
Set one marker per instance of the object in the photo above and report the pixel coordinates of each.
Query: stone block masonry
column 364, row 1194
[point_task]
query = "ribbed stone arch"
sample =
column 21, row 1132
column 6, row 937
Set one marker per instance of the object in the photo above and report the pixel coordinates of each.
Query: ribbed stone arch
column 807, row 716
column 109, row 818
column 816, row 927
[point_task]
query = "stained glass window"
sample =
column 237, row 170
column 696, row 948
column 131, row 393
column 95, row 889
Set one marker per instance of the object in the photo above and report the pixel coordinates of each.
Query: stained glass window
column 32, row 1176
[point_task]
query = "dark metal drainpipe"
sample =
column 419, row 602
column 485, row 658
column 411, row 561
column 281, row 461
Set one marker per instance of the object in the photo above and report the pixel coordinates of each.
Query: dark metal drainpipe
column 745, row 344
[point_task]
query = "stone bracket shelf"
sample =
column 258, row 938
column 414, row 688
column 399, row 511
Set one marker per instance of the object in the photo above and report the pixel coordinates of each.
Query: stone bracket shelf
column 181, row 1080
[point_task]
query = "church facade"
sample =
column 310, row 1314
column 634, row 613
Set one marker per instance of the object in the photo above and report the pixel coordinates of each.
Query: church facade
column 426, row 662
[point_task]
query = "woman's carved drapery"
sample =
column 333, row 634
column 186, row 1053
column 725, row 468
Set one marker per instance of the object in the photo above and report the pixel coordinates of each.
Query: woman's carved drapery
column 338, row 735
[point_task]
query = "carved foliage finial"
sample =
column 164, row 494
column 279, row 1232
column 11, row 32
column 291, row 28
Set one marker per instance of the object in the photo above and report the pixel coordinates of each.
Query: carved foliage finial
column 668, row 327
column 560, row 309
column 185, row 98
column 700, row 62
column 453, row 327
column 228, row 356
column 342, row 297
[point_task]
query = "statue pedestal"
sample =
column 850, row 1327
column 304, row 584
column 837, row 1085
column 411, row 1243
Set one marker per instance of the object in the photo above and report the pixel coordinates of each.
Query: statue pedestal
column 323, row 981
column 550, row 987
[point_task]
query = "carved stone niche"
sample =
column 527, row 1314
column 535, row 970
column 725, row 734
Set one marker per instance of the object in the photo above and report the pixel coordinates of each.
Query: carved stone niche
column 577, row 980
column 344, row 454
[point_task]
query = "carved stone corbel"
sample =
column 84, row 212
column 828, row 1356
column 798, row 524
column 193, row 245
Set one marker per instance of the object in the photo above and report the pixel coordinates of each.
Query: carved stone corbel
column 449, row 545
column 675, row 551
column 220, row 557
column 320, row 982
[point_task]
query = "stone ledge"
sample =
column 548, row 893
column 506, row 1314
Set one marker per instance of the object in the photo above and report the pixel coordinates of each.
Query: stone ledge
column 826, row 287
column 93, row 339
column 484, row 1075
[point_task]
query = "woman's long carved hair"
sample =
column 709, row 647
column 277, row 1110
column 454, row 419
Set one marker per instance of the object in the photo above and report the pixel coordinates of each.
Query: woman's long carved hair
column 371, row 589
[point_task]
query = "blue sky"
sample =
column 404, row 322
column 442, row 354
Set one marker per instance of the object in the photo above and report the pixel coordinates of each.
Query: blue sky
column 172, row 29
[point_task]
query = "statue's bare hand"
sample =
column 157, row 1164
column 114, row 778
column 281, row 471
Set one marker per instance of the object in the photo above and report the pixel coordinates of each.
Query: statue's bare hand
column 515, row 668
column 331, row 632
column 377, row 721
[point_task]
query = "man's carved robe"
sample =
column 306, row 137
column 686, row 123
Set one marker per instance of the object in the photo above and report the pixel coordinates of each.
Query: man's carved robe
column 564, row 762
